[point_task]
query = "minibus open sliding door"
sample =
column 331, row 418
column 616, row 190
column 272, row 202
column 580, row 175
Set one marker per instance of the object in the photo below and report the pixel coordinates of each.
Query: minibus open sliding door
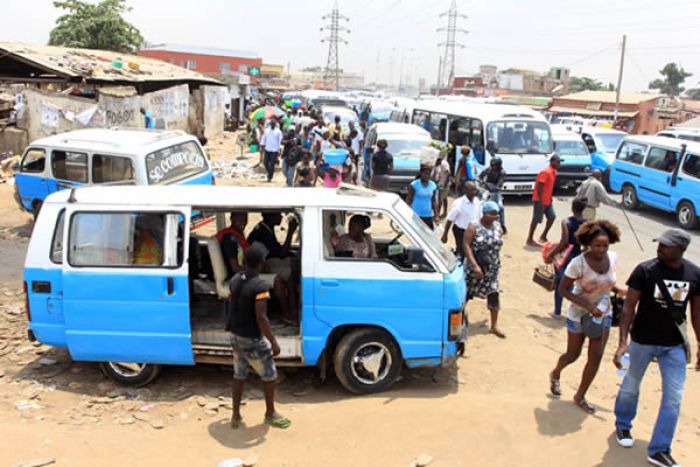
column 126, row 297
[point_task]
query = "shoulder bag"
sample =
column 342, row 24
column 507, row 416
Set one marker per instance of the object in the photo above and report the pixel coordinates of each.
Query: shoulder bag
column 544, row 276
column 677, row 315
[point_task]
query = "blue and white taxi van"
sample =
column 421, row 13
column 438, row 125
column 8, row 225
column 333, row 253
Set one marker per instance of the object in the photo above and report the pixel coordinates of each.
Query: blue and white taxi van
column 365, row 319
column 108, row 156
column 661, row 172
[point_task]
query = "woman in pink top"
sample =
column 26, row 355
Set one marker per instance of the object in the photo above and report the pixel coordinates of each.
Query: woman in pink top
column 587, row 283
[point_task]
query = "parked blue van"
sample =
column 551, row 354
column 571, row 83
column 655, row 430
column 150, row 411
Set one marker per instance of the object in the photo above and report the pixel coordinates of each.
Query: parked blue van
column 363, row 318
column 108, row 156
column 661, row 172
column 602, row 144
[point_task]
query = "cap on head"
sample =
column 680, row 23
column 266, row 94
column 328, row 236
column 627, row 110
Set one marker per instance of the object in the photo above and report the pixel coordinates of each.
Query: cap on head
column 489, row 206
column 674, row 237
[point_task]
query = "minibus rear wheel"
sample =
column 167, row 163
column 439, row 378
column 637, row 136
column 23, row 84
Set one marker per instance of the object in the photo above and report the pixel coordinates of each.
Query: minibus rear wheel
column 686, row 215
column 131, row 374
column 367, row 360
column 629, row 197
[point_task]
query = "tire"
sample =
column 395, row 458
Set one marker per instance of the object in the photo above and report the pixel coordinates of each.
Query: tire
column 629, row 197
column 606, row 179
column 686, row 216
column 138, row 375
column 367, row 361
column 36, row 208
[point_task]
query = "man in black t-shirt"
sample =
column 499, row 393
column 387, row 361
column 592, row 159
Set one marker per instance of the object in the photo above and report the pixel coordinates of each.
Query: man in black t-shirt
column 252, row 340
column 659, row 291
column 382, row 166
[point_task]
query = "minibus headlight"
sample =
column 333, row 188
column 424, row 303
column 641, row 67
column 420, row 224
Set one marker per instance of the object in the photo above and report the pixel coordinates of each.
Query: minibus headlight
column 455, row 324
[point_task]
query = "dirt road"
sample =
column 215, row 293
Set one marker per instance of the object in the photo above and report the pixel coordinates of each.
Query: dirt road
column 493, row 409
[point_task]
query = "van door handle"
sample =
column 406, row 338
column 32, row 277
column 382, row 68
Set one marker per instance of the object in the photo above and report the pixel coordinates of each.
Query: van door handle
column 171, row 285
column 329, row 283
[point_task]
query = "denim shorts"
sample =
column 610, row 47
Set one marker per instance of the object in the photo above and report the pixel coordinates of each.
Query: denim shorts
column 255, row 352
column 539, row 212
column 574, row 327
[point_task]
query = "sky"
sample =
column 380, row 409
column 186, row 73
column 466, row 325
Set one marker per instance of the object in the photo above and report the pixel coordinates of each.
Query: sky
column 397, row 40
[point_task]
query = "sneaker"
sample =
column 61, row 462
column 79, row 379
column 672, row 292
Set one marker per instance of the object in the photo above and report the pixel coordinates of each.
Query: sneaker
column 624, row 438
column 662, row 459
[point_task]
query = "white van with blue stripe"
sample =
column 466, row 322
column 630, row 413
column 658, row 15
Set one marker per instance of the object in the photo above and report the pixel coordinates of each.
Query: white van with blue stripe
column 363, row 318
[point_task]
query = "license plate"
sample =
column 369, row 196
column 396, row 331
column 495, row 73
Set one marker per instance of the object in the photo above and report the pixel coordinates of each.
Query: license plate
column 522, row 187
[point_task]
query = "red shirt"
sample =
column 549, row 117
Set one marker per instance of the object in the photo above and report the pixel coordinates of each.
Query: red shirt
column 546, row 177
column 239, row 237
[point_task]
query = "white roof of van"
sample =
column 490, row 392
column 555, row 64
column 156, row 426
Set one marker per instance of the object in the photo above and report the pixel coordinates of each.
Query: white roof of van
column 561, row 133
column 488, row 111
column 114, row 140
column 396, row 128
column 671, row 143
column 600, row 130
column 227, row 196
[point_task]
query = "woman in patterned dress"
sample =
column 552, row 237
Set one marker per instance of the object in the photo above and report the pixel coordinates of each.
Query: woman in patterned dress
column 482, row 244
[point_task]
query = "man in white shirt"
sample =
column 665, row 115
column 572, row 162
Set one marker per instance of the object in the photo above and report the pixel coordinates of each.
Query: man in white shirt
column 465, row 210
column 593, row 193
column 271, row 143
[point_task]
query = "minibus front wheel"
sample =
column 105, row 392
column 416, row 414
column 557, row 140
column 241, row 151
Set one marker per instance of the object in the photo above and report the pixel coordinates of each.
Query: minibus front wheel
column 367, row 360
column 131, row 374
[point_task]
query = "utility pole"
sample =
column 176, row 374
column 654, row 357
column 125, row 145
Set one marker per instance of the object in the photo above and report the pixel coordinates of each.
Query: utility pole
column 619, row 78
column 448, row 60
column 334, row 29
column 437, row 85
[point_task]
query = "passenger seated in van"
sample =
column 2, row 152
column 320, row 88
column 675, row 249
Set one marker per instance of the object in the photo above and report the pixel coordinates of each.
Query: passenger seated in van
column 148, row 232
column 356, row 243
column 669, row 162
column 233, row 242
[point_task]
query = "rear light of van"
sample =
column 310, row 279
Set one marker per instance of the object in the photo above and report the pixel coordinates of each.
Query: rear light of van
column 26, row 301
column 456, row 322
column 213, row 179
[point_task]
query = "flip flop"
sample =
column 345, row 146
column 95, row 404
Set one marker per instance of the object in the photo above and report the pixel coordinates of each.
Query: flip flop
column 554, row 387
column 586, row 407
column 281, row 422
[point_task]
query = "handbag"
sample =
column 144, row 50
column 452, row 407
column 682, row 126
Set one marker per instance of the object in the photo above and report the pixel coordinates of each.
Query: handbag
column 678, row 317
column 544, row 276
column 616, row 303
column 561, row 258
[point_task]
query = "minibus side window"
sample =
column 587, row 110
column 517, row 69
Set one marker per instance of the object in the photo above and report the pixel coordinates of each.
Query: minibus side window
column 117, row 239
column 692, row 166
column 70, row 166
column 661, row 159
column 111, row 169
column 34, row 161
column 381, row 242
column 175, row 163
column 57, row 241
column 632, row 152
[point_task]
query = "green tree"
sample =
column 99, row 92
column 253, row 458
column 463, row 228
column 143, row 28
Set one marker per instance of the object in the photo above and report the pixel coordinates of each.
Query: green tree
column 693, row 94
column 95, row 26
column 673, row 78
column 582, row 83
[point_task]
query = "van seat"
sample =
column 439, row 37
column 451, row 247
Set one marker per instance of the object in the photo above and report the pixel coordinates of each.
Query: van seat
column 219, row 267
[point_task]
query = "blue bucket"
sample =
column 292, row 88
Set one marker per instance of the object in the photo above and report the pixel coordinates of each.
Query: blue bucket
column 335, row 156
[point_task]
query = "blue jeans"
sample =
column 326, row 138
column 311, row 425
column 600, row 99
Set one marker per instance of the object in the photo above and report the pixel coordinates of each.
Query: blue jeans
column 288, row 172
column 558, row 298
column 270, row 163
column 672, row 365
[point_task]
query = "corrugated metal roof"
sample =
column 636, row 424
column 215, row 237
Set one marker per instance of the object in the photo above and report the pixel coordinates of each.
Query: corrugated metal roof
column 608, row 97
column 193, row 49
column 99, row 65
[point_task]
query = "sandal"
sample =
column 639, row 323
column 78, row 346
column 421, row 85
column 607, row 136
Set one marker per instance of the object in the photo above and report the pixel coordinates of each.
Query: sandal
column 554, row 386
column 281, row 422
column 586, row 407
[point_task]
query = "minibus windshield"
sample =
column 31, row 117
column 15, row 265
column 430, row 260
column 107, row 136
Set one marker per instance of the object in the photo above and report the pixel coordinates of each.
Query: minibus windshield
column 427, row 235
column 519, row 137
column 609, row 142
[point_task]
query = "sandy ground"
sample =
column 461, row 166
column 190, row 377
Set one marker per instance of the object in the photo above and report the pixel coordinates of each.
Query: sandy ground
column 493, row 409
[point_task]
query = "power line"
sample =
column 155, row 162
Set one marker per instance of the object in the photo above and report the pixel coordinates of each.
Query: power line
column 334, row 28
column 447, row 67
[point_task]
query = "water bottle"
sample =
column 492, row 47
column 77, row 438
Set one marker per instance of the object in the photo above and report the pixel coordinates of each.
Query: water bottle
column 625, row 361
column 603, row 307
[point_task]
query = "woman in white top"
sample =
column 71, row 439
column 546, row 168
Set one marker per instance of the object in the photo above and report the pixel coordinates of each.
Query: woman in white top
column 586, row 284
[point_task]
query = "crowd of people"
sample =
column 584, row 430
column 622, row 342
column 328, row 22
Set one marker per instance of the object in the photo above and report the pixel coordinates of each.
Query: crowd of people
column 656, row 295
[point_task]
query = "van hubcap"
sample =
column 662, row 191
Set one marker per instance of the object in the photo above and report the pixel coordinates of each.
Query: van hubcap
column 684, row 215
column 629, row 197
column 371, row 363
column 127, row 370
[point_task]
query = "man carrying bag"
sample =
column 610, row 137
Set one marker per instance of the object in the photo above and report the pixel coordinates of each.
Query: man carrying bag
column 659, row 292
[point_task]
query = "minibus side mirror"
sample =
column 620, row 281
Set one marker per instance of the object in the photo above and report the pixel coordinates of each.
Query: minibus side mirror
column 491, row 146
